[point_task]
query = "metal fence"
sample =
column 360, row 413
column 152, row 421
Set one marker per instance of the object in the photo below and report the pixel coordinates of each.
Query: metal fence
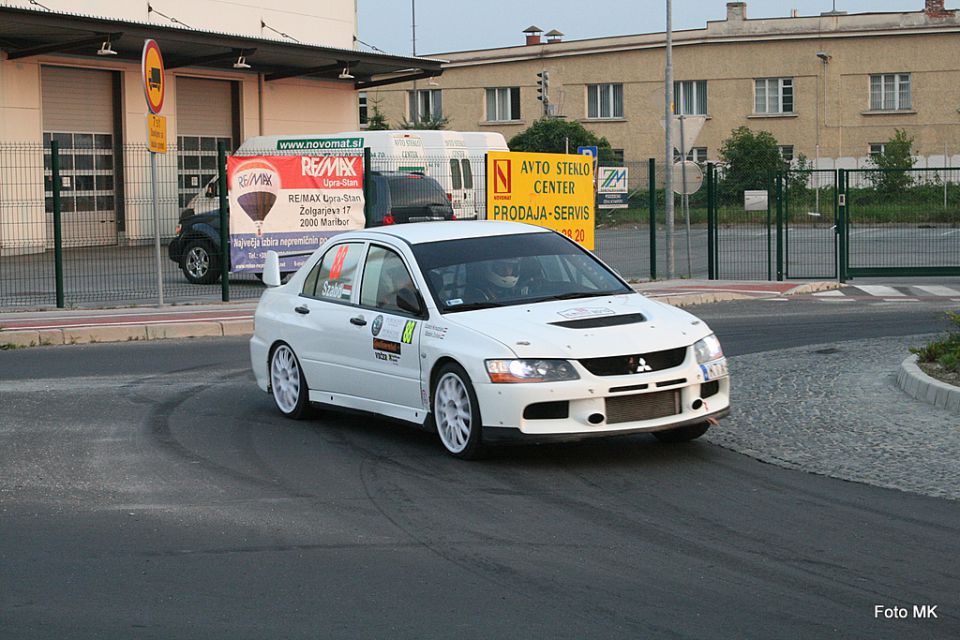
column 77, row 223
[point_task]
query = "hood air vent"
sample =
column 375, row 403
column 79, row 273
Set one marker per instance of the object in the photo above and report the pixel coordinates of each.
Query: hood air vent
column 602, row 321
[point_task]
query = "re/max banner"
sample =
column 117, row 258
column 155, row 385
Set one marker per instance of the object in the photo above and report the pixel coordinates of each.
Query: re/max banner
column 290, row 203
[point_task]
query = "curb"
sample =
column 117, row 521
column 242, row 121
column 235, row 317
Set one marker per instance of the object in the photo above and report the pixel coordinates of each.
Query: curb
column 691, row 299
column 814, row 287
column 126, row 333
column 916, row 384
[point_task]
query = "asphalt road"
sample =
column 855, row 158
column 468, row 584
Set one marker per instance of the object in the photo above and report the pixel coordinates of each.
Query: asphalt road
column 149, row 490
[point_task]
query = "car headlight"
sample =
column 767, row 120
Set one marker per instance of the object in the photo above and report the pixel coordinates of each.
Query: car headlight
column 530, row 371
column 708, row 349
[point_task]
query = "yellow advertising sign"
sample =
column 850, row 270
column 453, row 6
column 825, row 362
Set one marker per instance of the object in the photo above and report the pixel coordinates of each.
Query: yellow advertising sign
column 157, row 133
column 552, row 190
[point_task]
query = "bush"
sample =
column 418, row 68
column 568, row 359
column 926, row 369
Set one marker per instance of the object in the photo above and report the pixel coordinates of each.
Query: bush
column 945, row 352
column 551, row 135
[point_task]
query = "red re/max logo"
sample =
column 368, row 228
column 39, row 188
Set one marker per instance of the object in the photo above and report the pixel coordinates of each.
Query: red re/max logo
column 501, row 176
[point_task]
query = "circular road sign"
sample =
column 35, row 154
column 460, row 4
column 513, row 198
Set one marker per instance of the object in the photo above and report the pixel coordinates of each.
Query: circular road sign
column 694, row 178
column 154, row 84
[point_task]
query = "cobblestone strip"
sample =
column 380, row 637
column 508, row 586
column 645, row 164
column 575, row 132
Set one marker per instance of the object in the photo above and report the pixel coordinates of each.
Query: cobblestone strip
column 836, row 410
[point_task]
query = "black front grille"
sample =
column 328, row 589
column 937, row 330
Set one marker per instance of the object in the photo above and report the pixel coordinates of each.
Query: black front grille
column 634, row 363
column 708, row 389
column 642, row 406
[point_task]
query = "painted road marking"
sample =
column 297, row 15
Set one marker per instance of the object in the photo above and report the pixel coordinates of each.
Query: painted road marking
column 937, row 290
column 880, row 290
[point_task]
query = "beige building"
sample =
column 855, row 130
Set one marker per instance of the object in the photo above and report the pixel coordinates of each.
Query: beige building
column 832, row 87
column 233, row 70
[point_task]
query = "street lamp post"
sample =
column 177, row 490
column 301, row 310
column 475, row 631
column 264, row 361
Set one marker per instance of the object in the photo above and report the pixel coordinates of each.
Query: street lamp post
column 668, row 150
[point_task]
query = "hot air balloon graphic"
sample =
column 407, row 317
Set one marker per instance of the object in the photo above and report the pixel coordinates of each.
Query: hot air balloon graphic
column 257, row 185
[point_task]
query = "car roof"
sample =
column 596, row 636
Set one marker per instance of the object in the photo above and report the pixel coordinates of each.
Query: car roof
column 421, row 232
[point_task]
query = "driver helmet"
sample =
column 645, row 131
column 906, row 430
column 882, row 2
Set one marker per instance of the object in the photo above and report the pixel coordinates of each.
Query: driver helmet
column 503, row 273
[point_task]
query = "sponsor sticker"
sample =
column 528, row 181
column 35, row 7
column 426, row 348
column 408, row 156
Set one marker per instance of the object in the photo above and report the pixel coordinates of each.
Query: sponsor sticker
column 714, row 370
column 386, row 345
column 586, row 312
column 435, row 331
column 377, row 325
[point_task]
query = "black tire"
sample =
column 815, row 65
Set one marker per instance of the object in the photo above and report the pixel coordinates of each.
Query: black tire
column 288, row 386
column 455, row 413
column 682, row 434
column 200, row 263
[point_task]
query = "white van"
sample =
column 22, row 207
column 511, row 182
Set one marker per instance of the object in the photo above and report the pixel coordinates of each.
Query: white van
column 452, row 158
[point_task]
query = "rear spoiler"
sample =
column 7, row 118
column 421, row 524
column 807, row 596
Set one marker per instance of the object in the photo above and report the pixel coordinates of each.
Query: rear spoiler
column 271, row 267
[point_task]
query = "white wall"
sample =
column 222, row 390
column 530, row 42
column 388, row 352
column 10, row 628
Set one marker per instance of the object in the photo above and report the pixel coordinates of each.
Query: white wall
column 327, row 23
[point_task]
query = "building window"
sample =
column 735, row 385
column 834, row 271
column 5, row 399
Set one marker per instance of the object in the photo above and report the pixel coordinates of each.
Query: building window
column 786, row 152
column 617, row 156
column 362, row 104
column 690, row 97
column 773, row 95
column 604, row 101
column 696, row 154
column 197, row 164
column 503, row 104
column 890, row 92
column 425, row 105
column 876, row 149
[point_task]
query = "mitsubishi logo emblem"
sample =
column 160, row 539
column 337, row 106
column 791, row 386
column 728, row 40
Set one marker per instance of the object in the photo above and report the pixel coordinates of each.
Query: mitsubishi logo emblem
column 639, row 365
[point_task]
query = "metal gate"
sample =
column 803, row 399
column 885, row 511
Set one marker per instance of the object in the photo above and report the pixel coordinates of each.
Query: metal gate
column 897, row 222
column 807, row 238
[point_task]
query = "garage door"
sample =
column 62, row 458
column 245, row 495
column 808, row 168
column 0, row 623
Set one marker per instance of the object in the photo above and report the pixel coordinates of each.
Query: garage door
column 78, row 112
column 205, row 115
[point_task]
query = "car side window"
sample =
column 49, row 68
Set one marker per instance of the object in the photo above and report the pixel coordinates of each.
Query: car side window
column 384, row 275
column 333, row 277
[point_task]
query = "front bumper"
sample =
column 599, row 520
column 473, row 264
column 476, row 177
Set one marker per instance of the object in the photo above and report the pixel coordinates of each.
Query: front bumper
column 511, row 435
column 604, row 405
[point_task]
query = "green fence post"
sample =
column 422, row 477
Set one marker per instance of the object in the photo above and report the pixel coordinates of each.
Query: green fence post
column 224, row 221
column 367, row 187
column 652, row 200
column 842, row 223
column 711, row 222
column 779, row 196
column 57, row 232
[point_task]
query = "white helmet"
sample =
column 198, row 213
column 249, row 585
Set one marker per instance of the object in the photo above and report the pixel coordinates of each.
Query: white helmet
column 502, row 273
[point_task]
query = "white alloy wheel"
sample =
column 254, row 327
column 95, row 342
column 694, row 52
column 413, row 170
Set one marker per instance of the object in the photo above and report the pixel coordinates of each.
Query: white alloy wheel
column 287, row 383
column 453, row 412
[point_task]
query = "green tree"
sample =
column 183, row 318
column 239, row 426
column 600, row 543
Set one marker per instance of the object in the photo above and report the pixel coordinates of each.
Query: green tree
column 895, row 161
column 376, row 121
column 751, row 159
column 553, row 135
column 428, row 123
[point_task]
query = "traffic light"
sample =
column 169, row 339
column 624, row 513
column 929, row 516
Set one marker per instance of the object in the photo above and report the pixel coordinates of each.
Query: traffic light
column 543, row 86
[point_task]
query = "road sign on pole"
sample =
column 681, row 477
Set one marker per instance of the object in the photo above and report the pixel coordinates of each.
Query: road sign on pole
column 154, row 87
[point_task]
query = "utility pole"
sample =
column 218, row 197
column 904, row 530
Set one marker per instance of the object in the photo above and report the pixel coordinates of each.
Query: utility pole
column 668, row 126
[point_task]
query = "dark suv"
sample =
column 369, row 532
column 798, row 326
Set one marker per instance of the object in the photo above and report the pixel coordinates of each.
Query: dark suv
column 395, row 198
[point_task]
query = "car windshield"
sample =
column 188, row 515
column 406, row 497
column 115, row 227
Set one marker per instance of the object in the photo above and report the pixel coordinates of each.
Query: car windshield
column 480, row 273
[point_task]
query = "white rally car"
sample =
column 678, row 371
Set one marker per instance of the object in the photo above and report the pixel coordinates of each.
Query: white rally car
column 484, row 331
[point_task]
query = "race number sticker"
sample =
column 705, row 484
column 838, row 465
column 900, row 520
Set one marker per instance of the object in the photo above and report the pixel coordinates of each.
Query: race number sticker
column 337, row 268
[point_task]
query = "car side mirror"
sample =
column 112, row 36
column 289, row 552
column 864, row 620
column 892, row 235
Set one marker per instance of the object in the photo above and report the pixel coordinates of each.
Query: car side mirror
column 410, row 301
column 271, row 269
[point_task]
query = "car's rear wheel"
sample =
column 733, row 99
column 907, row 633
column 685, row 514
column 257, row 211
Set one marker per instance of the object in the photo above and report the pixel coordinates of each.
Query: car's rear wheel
column 682, row 434
column 287, row 384
column 456, row 413
column 200, row 264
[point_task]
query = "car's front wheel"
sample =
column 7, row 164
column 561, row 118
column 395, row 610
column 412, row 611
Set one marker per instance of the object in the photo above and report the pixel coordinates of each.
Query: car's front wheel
column 287, row 384
column 456, row 413
column 682, row 434
column 200, row 264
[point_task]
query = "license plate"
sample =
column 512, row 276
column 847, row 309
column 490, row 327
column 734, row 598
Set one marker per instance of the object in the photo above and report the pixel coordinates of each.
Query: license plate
column 714, row 370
